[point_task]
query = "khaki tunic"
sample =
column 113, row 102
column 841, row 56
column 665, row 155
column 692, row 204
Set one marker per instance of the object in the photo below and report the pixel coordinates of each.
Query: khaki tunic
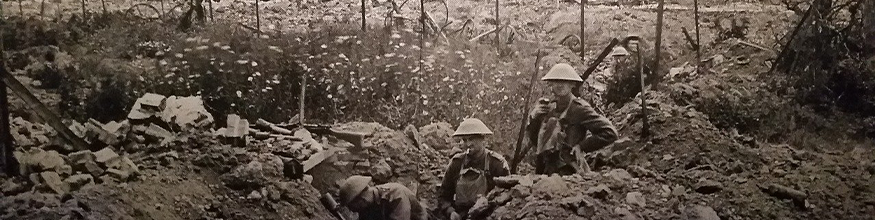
column 395, row 202
column 497, row 167
column 557, row 156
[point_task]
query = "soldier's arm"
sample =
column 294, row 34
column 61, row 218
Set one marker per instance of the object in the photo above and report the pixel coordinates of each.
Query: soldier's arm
column 400, row 208
column 501, row 168
column 451, row 176
column 603, row 131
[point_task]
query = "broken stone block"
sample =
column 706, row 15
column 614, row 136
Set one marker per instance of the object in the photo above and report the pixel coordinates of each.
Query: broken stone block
column 599, row 192
column 64, row 170
column 54, row 182
column 620, row 175
column 81, row 157
column 186, row 112
column 237, row 127
column 698, row 212
column 635, row 198
column 102, row 135
column 79, row 180
column 92, row 168
column 708, row 186
column 105, row 155
column 152, row 101
column 146, row 107
column 128, row 165
column 117, row 174
column 158, row 132
column 12, row 187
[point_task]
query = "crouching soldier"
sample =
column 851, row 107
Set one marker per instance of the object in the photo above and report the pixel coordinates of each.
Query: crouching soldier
column 470, row 172
column 559, row 125
column 390, row 201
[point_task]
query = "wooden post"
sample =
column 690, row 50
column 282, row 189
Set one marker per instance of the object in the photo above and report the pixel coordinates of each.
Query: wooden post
column 257, row 18
column 301, row 99
column 421, row 35
column 103, row 4
column 42, row 10
column 10, row 165
column 84, row 11
column 364, row 19
column 209, row 2
column 658, row 45
column 497, row 24
column 645, row 125
column 698, row 40
column 21, row 9
column 582, row 28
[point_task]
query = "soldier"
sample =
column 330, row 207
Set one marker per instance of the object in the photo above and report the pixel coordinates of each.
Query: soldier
column 559, row 125
column 390, row 201
column 470, row 172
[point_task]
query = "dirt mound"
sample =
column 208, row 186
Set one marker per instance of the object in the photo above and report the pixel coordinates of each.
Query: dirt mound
column 388, row 156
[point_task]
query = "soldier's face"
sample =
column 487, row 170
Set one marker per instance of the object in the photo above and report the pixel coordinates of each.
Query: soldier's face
column 560, row 88
column 473, row 142
column 633, row 46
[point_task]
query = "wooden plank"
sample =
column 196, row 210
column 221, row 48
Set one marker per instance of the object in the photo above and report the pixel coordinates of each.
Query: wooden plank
column 318, row 158
column 41, row 110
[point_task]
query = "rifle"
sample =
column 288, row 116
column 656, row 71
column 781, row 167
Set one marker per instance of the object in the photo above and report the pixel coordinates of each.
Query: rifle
column 517, row 154
column 331, row 205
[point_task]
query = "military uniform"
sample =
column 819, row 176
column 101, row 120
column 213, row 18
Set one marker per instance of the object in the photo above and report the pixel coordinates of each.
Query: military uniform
column 495, row 166
column 394, row 202
column 560, row 135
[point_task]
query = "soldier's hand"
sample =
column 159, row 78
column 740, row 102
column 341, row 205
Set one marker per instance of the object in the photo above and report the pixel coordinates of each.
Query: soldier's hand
column 540, row 109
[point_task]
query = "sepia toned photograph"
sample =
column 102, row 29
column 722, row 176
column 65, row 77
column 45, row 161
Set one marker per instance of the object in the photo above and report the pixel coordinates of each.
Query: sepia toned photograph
column 437, row 109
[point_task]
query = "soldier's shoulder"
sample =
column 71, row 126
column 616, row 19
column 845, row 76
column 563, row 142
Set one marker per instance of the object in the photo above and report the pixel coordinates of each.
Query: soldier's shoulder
column 581, row 102
column 496, row 155
column 459, row 156
column 394, row 188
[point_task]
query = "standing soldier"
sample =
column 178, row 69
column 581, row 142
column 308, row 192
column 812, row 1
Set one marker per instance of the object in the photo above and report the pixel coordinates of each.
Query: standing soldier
column 390, row 201
column 470, row 172
column 559, row 125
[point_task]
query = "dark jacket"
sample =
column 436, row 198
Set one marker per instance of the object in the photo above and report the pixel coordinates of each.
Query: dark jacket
column 395, row 202
column 580, row 119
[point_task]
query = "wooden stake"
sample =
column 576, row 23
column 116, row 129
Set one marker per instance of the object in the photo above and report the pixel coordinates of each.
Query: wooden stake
column 42, row 10
column 364, row 21
column 421, row 35
column 582, row 28
column 84, row 11
column 497, row 24
column 103, row 3
column 257, row 18
column 519, row 151
column 645, row 125
column 301, row 99
column 698, row 39
column 209, row 2
column 10, row 165
column 21, row 8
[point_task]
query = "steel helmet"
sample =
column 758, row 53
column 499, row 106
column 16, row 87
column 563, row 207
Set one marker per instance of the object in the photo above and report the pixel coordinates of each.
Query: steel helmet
column 619, row 51
column 562, row 71
column 472, row 126
column 352, row 187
